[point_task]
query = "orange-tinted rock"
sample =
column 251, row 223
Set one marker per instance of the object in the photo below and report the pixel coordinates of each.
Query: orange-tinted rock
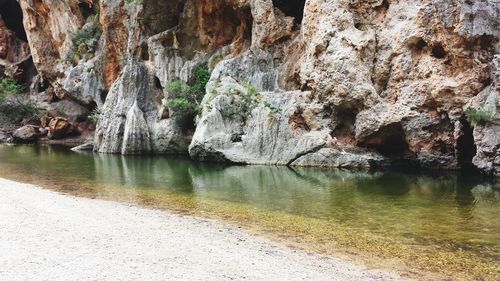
column 12, row 49
column 49, row 25
column 59, row 128
column 113, row 18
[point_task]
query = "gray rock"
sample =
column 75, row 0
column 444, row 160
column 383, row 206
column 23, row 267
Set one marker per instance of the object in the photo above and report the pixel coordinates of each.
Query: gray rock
column 486, row 134
column 26, row 134
column 129, row 122
column 269, row 136
column 89, row 146
column 255, row 67
column 69, row 108
column 84, row 84
column 136, row 136
column 341, row 158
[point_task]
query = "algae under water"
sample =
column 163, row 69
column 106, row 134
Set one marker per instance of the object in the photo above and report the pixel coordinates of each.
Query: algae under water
column 444, row 223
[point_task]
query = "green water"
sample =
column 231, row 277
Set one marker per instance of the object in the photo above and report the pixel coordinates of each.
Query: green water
column 450, row 219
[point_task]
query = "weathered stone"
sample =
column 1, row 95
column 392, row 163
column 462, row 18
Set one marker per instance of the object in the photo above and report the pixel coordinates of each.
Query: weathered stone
column 84, row 83
column 60, row 128
column 341, row 158
column 345, row 84
column 88, row 146
column 486, row 133
column 5, row 138
column 12, row 49
column 129, row 122
column 26, row 134
column 49, row 25
column 265, row 136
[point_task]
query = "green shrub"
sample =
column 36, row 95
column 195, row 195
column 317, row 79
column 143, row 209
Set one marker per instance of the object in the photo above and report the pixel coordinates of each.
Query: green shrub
column 478, row 116
column 94, row 116
column 201, row 77
column 18, row 110
column 272, row 108
column 272, row 116
column 183, row 99
column 85, row 42
column 236, row 109
column 9, row 86
column 241, row 104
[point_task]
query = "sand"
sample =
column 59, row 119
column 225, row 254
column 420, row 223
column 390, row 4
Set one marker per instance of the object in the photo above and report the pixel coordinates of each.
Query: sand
column 45, row 235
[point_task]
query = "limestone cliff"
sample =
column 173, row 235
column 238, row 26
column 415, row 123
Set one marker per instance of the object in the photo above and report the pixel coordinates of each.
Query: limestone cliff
column 337, row 83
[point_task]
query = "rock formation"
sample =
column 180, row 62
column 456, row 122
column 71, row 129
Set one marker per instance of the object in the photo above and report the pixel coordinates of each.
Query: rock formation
column 352, row 84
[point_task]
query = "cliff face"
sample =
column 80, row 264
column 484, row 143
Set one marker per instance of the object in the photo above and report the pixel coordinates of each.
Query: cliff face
column 306, row 82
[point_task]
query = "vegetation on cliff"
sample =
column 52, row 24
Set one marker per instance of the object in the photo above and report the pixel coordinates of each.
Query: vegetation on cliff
column 183, row 99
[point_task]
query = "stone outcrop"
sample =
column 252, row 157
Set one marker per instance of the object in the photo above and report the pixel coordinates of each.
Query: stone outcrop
column 49, row 25
column 486, row 133
column 351, row 84
column 12, row 49
column 390, row 81
column 130, row 123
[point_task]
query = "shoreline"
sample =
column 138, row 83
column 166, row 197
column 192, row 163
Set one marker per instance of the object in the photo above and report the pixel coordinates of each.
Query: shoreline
column 54, row 236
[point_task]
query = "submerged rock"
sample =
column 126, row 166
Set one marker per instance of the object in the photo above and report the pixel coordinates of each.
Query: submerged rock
column 89, row 146
column 352, row 159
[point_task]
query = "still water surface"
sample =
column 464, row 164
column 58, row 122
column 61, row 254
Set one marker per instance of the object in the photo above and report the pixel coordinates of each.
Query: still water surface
column 446, row 223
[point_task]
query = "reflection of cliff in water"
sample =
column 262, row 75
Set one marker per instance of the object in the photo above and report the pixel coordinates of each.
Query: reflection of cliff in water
column 313, row 192
column 442, row 209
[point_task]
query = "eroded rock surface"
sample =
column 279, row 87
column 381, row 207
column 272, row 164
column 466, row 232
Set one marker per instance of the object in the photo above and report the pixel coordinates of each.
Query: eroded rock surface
column 486, row 133
column 130, row 123
column 26, row 134
column 351, row 84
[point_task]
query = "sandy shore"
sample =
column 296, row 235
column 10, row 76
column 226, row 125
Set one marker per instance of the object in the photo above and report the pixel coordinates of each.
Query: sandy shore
column 45, row 235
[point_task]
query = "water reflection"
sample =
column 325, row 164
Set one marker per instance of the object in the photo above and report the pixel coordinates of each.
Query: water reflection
column 445, row 206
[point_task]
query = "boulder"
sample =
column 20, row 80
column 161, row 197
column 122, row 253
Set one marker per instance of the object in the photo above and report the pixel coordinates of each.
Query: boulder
column 26, row 134
column 60, row 128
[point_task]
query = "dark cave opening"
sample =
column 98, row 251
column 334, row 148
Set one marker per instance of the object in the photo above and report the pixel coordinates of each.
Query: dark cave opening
column 346, row 119
column 158, row 84
column 103, row 94
column 466, row 147
column 158, row 16
column 390, row 141
column 438, row 51
column 291, row 8
column 42, row 85
column 393, row 146
column 144, row 49
column 87, row 9
column 12, row 15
